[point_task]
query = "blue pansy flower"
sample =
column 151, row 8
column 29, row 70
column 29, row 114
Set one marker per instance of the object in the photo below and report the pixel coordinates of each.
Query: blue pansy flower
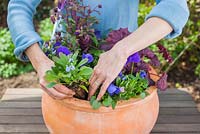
column 63, row 49
column 133, row 58
column 88, row 56
column 112, row 89
column 143, row 74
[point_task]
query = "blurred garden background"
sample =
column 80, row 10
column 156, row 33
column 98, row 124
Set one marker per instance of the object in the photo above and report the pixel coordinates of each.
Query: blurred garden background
column 185, row 50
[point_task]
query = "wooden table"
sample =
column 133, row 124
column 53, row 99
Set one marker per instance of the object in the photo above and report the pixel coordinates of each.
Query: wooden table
column 20, row 113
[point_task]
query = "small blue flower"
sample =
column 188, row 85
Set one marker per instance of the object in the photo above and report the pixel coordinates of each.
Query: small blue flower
column 68, row 69
column 71, row 60
column 88, row 56
column 133, row 58
column 124, row 78
column 143, row 74
column 63, row 49
column 72, row 67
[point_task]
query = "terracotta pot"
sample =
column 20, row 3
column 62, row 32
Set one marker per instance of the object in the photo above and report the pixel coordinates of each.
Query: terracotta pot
column 74, row 116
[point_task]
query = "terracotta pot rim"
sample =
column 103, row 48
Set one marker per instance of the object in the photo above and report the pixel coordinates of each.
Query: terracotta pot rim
column 84, row 105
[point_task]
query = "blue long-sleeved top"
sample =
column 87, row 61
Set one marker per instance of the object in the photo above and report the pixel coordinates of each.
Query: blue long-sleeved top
column 114, row 14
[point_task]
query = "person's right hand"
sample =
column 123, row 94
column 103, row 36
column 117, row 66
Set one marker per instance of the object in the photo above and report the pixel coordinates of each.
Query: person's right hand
column 42, row 63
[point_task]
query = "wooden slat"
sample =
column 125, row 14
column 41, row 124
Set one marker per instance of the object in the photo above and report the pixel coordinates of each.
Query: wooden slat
column 177, row 97
column 27, row 91
column 23, row 97
column 178, row 111
column 13, row 105
column 177, row 104
column 23, row 128
column 21, row 112
column 174, row 119
column 181, row 128
column 21, row 120
column 174, row 91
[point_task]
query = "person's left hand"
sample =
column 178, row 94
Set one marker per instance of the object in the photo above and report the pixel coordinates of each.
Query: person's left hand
column 107, row 69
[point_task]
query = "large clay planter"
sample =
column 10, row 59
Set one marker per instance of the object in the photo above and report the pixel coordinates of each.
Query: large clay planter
column 74, row 116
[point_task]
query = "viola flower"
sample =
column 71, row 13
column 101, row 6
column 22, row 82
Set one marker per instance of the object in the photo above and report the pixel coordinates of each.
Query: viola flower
column 63, row 49
column 68, row 69
column 97, row 34
column 143, row 74
column 133, row 58
column 88, row 56
column 57, row 44
column 112, row 89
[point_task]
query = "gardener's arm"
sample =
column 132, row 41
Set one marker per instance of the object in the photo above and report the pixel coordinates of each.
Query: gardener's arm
column 165, row 20
column 26, row 40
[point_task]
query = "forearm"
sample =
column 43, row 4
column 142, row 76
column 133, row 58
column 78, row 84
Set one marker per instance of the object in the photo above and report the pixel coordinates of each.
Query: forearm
column 37, row 57
column 150, row 32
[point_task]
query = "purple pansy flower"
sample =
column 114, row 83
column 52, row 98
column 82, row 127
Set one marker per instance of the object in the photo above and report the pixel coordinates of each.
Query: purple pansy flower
column 112, row 89
column 63, row 49
column 143, row 74
column 88, row 56
column 133, row 58
column 97, row 34
column 57, row 44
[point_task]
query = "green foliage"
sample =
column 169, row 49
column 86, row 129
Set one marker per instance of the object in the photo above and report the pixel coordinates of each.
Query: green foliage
column 69, row 71
column 134, row 86
column 197, row 70
column 45, row 29
column 185, row 47
column 9, row 65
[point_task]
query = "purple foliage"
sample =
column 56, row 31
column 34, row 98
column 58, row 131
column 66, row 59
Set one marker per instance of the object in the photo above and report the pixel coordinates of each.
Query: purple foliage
column 113, row 37
column 162, row 82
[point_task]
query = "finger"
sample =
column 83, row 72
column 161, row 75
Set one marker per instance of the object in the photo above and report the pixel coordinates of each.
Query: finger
column 94, row 86
column 62, row 89
column 95, row 74
column 103, row 89
column 53, row 93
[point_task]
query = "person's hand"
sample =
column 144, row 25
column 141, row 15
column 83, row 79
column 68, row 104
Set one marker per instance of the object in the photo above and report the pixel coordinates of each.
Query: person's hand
column 107, row 69
column 58, row 91
column 42, row 63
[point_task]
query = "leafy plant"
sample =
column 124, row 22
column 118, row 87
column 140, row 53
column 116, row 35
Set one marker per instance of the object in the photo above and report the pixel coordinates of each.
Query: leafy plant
column 9, row 66
column 76, row 47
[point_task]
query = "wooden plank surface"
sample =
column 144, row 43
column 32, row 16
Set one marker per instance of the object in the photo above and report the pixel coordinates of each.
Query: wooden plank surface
column 20, row 112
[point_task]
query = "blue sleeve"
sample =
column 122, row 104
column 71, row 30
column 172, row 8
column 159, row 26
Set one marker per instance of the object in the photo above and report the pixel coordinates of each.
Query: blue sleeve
column 20, row 23
column 175, row 12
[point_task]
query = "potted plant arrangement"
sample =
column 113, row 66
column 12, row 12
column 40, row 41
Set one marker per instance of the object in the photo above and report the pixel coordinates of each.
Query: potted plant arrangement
column 130, row 104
